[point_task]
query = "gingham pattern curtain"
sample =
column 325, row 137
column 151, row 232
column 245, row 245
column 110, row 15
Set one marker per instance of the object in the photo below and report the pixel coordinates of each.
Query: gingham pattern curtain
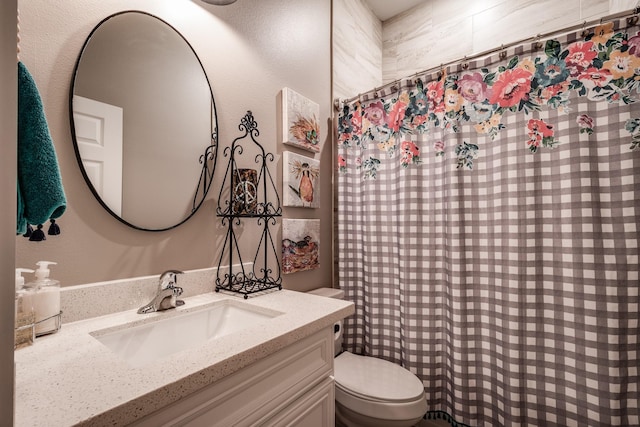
column 494, row 252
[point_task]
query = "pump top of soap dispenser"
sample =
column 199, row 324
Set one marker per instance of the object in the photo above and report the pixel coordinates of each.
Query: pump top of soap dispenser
column 43, row 269
column 19, row 278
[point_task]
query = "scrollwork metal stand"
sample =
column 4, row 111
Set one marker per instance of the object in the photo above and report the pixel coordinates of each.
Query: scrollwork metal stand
column 208, row 162
column 249, row 191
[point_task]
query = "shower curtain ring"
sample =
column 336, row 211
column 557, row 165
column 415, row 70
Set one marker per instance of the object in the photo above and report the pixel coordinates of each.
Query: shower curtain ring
column 537, row 44
column 585, row 32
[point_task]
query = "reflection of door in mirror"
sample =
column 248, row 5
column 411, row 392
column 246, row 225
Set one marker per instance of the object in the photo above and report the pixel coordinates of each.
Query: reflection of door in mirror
column 99, row 138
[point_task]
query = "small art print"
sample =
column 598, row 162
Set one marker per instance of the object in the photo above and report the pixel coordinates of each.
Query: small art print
column 244, row 186
column 300, row 245
column 300, row 181
column 300, row 121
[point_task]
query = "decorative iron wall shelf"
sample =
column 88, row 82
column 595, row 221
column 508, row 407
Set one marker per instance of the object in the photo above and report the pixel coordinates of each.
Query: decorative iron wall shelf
column 249, row 191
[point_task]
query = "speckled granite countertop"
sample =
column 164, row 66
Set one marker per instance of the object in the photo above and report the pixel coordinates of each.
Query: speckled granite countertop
column 70, row 378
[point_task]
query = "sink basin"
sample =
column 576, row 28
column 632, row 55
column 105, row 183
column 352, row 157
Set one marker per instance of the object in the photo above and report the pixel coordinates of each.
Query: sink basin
column 145, row 342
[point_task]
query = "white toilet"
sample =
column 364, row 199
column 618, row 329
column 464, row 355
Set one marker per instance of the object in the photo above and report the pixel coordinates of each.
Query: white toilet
column 372, row 392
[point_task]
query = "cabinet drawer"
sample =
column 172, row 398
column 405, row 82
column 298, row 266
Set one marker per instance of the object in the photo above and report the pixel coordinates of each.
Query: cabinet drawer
column 316, row 408
column 255, row 392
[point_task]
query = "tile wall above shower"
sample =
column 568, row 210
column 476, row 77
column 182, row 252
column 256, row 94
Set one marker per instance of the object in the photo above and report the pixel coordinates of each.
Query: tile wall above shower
column 357, row 48
column 445, row 30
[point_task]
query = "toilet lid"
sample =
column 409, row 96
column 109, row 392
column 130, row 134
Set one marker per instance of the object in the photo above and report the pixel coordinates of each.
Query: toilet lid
column 376, row 379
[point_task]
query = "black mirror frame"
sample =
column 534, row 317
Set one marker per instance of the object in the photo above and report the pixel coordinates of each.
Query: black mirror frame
column 208, row 159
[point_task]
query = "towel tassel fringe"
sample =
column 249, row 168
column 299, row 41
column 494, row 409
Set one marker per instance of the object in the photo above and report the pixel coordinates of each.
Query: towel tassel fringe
column 38, row 235
column 54, row 229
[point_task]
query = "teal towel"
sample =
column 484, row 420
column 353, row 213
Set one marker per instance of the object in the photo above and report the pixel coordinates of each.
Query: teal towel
column 40, row 192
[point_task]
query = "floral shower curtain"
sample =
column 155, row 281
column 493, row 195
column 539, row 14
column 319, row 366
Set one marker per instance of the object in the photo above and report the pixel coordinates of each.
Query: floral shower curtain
column 488, row 232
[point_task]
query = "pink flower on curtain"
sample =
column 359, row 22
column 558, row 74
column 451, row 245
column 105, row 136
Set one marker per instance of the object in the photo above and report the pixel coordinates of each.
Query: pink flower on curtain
column 593, row 77
column 356, row 120
column 634, row 44
column 511, row 87
column 410, row 147
column 585, row 123
column 410, row 153
column 395, row 117
column 580, row 56
column 375, row 113
column 344, row 138
column 418, row 120
column 473, row 88
column 435, row 95
column 438, row 147
column 540, row 133
column 555, row 90
column 342, row 163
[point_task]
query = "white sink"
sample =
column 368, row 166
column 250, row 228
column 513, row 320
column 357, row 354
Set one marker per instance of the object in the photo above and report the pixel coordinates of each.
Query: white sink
column 144, row 342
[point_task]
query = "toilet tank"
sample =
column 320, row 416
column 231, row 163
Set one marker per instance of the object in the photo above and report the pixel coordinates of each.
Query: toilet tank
column 337, row 328
column 328, row 292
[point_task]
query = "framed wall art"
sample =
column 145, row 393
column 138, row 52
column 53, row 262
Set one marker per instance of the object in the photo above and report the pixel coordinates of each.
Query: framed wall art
column 300, row 125
column 300, row 245
column 300, row 181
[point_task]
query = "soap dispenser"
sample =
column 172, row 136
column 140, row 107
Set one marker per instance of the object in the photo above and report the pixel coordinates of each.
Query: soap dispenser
column 25, row 317
column 46, row 300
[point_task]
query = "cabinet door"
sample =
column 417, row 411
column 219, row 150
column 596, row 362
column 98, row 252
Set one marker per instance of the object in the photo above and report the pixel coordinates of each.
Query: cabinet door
column 315, row 409
column 259, row 392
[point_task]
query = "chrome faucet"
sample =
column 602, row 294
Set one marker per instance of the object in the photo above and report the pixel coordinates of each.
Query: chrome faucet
column 166, row 295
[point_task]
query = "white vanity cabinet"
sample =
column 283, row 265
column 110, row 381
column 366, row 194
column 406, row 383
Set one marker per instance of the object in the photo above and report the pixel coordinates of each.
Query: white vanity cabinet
column 275, row 372
column 292, row 387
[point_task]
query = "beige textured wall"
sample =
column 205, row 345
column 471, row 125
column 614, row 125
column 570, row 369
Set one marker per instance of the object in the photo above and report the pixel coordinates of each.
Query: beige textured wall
column 440, row 31
column 250, row 50
column 8, row 108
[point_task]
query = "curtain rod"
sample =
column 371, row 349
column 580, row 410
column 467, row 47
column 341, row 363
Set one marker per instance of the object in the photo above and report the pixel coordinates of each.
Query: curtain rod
column 631, row 15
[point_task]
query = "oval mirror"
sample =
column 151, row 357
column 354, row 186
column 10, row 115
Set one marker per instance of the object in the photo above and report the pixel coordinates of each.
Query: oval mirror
column 143, row 121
